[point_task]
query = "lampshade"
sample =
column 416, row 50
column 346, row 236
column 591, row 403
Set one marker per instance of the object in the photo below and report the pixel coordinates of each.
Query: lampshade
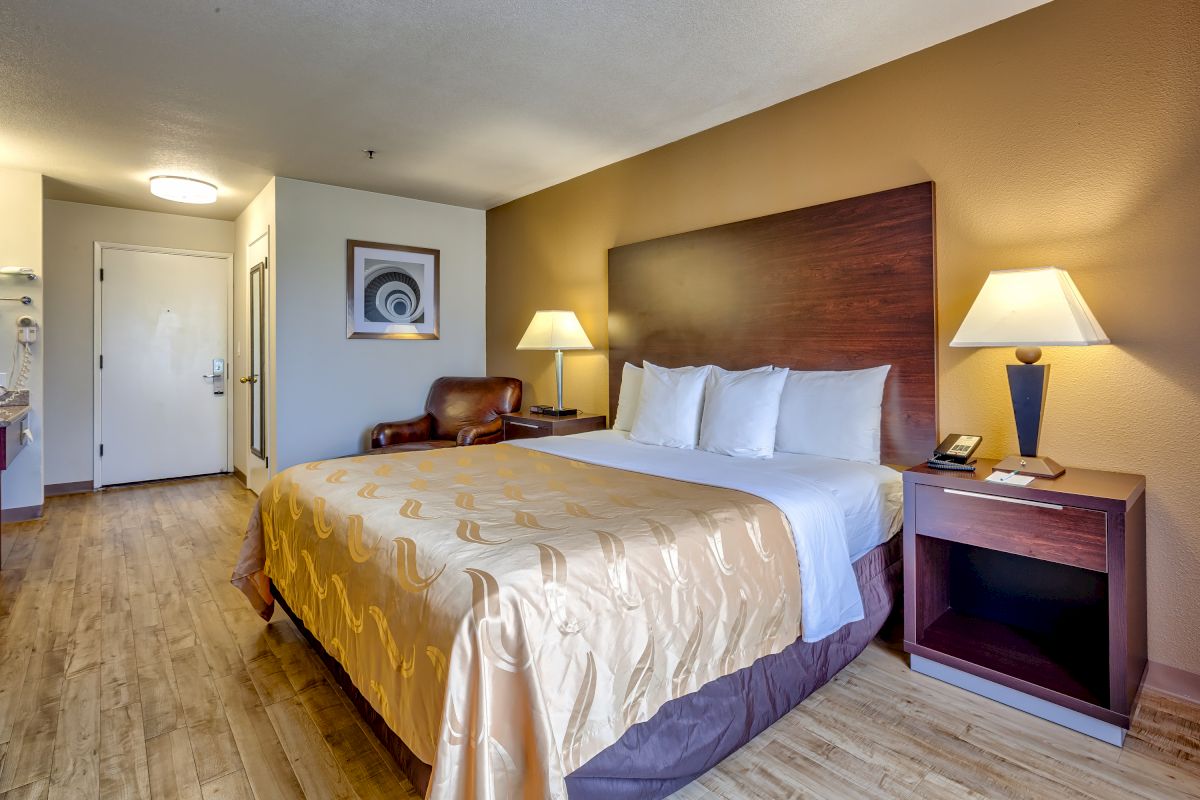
column 1038, row 306
column 554, row 330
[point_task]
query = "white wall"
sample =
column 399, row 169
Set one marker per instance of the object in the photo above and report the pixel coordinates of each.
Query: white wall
column 257, row 218
column 70, row 231
column 332, row 390
column 21, row 245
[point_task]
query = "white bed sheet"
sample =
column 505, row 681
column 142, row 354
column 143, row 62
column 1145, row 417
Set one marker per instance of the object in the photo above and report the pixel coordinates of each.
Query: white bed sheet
column 838, row 510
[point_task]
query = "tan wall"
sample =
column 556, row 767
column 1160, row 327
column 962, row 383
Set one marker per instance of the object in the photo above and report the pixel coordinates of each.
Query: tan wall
column 70, row 233
column 1067, row 135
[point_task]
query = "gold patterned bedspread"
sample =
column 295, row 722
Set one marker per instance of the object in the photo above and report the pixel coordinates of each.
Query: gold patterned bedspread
column 511, row 613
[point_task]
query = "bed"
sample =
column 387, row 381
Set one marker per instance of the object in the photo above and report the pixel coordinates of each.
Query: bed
column 569, row 616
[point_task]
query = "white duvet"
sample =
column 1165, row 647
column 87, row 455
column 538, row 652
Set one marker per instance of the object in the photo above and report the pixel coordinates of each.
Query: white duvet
column 837, row 509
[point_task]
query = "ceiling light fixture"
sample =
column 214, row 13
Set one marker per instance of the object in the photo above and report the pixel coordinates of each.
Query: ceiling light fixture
column 182, row 190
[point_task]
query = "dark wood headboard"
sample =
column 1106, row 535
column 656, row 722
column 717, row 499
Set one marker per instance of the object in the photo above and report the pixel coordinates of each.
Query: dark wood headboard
column 843, row 285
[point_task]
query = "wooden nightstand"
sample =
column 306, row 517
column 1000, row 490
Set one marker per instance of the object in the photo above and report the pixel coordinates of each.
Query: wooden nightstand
column 525, row 425
column 1031, row 595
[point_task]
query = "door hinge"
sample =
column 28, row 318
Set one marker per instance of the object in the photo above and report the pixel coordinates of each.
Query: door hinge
column 102, row 451
column 102, row 273
column 102, row 362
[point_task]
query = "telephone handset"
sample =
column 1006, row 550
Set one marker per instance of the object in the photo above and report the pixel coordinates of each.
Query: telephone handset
column 955, row 452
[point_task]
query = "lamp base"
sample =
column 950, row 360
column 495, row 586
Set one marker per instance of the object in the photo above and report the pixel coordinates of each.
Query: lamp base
column 551, row 411
column 1038, row 466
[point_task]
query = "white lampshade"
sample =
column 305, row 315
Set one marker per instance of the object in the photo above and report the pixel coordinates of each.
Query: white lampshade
column 554, row 330
column 1037, row 307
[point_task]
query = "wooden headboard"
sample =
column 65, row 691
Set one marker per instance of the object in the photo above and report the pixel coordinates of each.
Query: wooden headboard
column 843, row 285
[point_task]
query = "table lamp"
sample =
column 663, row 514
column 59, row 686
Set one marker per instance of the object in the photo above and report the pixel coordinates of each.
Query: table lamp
column 557, row 331
column 1029, row 309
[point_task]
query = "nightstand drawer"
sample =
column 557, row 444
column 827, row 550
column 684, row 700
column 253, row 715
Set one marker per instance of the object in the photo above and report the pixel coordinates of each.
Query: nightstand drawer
column 1063, row 534
column 521, row 429
column 526, row 425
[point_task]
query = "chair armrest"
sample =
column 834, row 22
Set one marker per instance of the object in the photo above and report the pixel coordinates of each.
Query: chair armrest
column 418, row 429
column 483, row 433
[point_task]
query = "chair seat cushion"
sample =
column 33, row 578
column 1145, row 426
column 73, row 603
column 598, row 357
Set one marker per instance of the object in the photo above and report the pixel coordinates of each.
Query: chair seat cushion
column 410, row 447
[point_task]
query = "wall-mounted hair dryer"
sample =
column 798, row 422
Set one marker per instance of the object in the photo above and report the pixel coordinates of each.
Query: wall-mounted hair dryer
column 27, row 330
column 27, row 334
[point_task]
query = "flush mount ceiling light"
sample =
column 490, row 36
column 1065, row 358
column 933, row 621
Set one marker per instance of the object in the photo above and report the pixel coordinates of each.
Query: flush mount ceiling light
column 182, row 190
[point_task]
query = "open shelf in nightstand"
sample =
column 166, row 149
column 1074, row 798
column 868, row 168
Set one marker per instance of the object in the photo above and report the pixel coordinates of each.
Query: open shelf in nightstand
column 1036, row 621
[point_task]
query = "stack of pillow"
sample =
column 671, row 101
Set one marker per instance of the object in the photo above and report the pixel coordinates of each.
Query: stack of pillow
column 753, row 413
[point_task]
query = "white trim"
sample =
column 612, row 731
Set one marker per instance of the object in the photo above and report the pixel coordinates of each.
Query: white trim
column 98, row 345
column 1068, row 718
column 265, row 371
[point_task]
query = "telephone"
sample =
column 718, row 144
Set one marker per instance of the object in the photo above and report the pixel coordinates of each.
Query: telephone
column 955, row 452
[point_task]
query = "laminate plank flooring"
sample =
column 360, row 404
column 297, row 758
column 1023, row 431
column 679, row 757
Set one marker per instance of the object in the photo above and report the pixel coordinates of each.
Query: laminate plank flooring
column 130, row 668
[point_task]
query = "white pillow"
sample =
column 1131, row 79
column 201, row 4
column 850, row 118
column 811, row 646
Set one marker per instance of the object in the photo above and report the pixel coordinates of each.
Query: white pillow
column 833, row 414
column 627, row 401
column 669, row 406
column 741, row 410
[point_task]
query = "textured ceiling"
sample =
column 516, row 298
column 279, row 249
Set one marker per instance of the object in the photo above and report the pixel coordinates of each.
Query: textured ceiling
column 471, row 103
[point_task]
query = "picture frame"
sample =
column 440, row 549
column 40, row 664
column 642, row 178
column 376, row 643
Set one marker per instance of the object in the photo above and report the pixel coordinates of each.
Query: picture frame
column 392, row 291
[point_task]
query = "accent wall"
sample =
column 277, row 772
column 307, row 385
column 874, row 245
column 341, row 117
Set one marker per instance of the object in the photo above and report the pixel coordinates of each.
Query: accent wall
column 1066, row 135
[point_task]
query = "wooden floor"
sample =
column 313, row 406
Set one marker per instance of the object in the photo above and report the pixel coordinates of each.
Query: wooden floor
column 130, row 668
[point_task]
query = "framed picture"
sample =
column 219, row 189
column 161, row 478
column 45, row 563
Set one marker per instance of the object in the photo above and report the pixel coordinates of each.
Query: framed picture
column 391, row 291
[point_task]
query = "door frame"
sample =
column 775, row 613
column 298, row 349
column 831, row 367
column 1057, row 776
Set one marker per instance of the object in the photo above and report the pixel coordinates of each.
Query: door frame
column 247, row 359
column 98, row 344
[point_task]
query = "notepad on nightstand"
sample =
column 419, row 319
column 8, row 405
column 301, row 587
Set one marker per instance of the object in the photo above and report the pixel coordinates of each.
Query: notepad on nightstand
column 1010, row 478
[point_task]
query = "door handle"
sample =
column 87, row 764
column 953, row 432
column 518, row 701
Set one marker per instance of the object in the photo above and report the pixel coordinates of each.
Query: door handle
column 217, row 376
column 248, row 379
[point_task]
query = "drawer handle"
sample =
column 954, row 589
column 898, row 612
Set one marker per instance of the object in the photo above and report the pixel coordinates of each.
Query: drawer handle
column 1016, row 500
column 522, row 424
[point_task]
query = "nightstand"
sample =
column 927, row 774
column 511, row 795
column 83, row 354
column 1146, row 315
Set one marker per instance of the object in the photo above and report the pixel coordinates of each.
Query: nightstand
column 526, row 425
column 1035, row 595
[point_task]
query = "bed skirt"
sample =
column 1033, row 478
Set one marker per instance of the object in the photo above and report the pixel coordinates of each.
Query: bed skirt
column 691, row 734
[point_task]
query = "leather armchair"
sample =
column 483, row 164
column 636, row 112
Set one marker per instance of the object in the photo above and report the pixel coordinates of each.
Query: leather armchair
column 458, row 412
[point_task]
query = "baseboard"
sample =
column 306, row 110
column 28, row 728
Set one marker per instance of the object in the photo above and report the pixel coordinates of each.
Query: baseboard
column 71, row 487
column 1068, row 718
column 1173, row 681
column 20, row 514
column 241, row 476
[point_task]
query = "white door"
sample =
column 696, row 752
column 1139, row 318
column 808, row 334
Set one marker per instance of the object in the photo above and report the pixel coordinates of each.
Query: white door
column 254, row 362
column 163, row 325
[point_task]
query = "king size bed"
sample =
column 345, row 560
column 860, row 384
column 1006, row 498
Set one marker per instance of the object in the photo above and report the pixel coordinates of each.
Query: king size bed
column 596, row 617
